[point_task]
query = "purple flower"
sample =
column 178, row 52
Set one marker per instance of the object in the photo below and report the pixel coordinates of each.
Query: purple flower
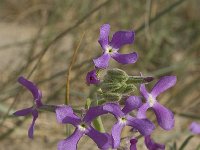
column 151, row 145
column 65, row 115
column 164, row 116
column 110, row 49
column 133, row 144
column 37, row 95
column 194, row 128
column 144, row 126
column 92, row 77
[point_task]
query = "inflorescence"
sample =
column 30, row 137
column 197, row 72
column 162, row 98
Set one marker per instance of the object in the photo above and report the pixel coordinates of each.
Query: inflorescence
column 118, row 95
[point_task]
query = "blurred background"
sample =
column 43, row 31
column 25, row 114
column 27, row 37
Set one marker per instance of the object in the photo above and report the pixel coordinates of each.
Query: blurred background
column 37, row 40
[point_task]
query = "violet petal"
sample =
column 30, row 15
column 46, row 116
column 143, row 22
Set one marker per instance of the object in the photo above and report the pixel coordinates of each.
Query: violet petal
column 133, row 144
column 114, row 109
column 144, row 91
column 142, row 111
column 194, row 128
column 121, row 38
column 116, row 134
column 151, row 145
column 65, row 115
column 31, row 128
column 144, row 126
column 93, row 112
column 164, row 116
column 163, row 84
column 104, row 36
column 23, row 112
column 131, row 103
column 103, row 140
column 125, row 58
column 92, row 78
column 37, row 94
column 71, row 142
column 102, row 61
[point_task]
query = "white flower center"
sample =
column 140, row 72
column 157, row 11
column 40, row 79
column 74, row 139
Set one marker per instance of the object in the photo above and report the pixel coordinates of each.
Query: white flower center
column 151, row 100
column 109, row 50
column 82, row 127
column 122, row 120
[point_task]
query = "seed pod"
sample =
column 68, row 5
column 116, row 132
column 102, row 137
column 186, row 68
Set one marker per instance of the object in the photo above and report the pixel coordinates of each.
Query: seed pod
column 138, row 79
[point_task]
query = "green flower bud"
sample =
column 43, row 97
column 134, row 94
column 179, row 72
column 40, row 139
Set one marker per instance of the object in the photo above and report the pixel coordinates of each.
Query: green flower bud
column 109, row 87
column 111, row 96
column 130, row 88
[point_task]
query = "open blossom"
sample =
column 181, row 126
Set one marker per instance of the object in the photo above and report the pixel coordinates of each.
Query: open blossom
column 151, row 145
column 164, row 116
column 194, row 128
column 65, row 115
column 37, row 95
column 110, row 48
column 92, row 77
column 144, row 126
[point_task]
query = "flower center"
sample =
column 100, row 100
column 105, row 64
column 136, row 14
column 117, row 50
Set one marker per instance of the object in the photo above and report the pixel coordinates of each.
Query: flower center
column 122, row 120
column 151, row 100
column 82, row 127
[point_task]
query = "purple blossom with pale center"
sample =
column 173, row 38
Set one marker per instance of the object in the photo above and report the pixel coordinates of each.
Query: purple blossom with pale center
column 92, row 77
column 65, row 115
column 37, row 95
column 164, row 116
column 110, row 48
column 194, row 128
column 151, row 145
column 144, row 126
column 133, row 143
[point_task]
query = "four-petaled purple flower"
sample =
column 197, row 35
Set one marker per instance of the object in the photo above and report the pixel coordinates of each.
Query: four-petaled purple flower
column 144, row 126
column 83, row 126
column 92, row 77
column 151, row 145
column 194, row 128
column 164, row 116
column 37, row 95
column 110, row 49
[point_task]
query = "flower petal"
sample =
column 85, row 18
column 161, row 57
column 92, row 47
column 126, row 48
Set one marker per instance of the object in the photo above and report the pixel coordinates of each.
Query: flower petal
column 114, row 109
column 116, row 134
column 163, row 84
column 121, row 38
column 142, row 111
column 133, row 102
column 125, row 58
column 23, row 112
column 102, row 61
column 151, row 145
column 194, row 128
column 92, row 78
column 143, row 91
column 164, row 116
column 71, row 142
column 103, row 140
column 133, row 144
column 93, row 112
column 104, row 36
column 31, row 128
column 144, row 126
column 65, row 115
column 37, row 94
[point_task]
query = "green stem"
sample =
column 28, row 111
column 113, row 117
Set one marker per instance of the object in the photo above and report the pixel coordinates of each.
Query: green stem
column 98, row 124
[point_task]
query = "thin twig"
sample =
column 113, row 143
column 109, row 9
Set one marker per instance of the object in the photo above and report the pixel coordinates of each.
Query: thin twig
column 69, row 70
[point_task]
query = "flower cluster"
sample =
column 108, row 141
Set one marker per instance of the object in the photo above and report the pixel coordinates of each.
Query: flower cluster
column 116, row 96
